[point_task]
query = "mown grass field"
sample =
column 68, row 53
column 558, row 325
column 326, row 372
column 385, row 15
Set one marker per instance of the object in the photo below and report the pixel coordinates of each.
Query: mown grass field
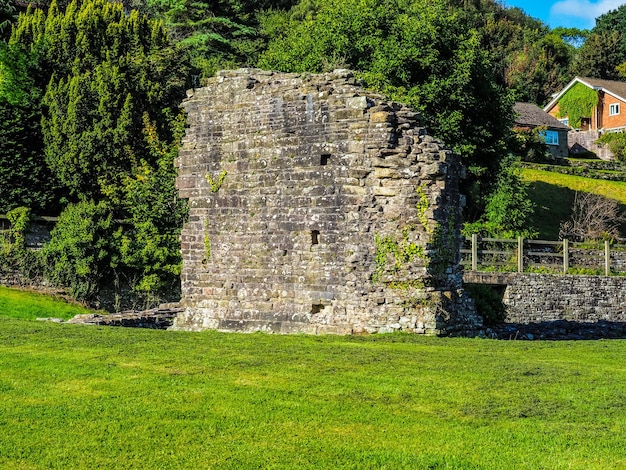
column 611, row 189
column 83, row 397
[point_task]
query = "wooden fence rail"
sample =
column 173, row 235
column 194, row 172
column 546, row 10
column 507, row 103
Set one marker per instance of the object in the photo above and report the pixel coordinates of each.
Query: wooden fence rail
column 522, row 255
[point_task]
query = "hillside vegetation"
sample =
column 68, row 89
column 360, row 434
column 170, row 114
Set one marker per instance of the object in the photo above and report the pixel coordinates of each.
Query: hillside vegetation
column 90, row 124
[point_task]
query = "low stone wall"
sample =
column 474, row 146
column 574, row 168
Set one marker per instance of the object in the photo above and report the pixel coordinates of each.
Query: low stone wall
column 535, row 298
column 17, row 279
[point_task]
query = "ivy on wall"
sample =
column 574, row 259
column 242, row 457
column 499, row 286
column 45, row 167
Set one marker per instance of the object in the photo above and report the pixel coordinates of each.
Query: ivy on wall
column 403, row 253
column 577, row 103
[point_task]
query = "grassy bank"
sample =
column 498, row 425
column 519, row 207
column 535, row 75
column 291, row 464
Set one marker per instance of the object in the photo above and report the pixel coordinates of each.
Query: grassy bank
column 30, row 305
column 553, row 195
column 89, row 397
column 611, row 189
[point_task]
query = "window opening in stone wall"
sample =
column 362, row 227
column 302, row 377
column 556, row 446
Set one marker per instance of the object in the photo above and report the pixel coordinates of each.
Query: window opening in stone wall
column 324, row 159
column 315, row 237
column 316, row 308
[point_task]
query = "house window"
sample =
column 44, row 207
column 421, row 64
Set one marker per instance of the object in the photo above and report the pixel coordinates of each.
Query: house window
column 614, row 109
column 550, row 137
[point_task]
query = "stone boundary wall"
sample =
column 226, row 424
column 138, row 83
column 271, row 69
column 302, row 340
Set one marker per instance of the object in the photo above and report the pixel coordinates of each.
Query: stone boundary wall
column 16, row 279
column 535, row 298
column 37, row 233
column 580, row 141
column 316, row 207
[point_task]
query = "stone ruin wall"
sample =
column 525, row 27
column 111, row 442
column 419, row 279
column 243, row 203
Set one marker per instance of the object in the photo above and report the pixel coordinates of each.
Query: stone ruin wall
column 316, row 207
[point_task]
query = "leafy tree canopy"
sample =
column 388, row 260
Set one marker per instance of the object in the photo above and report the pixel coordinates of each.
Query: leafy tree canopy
column 605, row 47
column 417, row 52
column 105, row 84
column 103, row 69
column 217, row 34
column 24, row 177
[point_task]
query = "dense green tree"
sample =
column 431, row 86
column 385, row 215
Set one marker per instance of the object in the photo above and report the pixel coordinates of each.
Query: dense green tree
column 509, row 208
column 417, row 52
column 605, row 47
column 149, row 243
column 24, row 178
column 528, row 58
column 80, row 255
column 218, row 34
column 7, row 15
column 106, row 68
column 538, row 67
column 101, row 78
column 600, row 56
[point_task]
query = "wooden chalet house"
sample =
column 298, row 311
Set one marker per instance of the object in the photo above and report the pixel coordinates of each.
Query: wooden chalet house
column 530, row 116
column 608, row 115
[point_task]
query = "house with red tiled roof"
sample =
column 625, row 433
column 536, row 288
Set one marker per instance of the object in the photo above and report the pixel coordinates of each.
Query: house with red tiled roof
column 608, row 114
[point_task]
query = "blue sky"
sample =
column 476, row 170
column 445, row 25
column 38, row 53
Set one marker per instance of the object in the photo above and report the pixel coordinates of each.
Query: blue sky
column 568, row 13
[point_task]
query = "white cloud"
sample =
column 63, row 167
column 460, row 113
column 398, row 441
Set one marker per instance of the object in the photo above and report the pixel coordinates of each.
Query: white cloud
column 584, row 10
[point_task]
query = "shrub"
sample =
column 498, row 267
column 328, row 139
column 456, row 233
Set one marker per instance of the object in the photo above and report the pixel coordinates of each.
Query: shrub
column 594, row 217
column 616, row 143
column 79, row 256
column 509, row 208
column 488, row 302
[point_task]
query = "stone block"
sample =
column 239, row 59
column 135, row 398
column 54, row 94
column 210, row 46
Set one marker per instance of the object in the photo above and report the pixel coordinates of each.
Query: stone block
column 380, row 117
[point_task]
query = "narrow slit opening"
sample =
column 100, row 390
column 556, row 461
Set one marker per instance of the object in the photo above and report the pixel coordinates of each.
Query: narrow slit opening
column 324, row 159
column 315, row 237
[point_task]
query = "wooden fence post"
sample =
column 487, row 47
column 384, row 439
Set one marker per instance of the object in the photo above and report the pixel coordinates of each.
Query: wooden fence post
column 565, row 256
column 474, row 252
column 607, row 258
column 520, row 254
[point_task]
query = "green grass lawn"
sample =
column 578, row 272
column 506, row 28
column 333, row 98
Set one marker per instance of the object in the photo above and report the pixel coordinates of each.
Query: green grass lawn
column 75, row 396
column 16, row 303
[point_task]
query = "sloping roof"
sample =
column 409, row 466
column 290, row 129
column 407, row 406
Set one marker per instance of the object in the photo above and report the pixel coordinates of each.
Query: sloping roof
column 532, row 115
column 612, row 87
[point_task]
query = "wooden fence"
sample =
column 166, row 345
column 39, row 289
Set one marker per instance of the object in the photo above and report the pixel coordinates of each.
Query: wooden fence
column 522, row 255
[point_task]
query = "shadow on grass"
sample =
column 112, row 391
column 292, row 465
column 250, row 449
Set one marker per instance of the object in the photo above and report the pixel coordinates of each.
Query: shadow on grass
column 560, row 330
column 553, row 205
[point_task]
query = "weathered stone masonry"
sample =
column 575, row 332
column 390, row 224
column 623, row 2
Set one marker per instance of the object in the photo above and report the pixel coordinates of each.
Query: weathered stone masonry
column 540, row 298
column 316, row 207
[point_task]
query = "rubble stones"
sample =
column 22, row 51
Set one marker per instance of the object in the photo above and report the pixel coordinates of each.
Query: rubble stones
column 159, row 318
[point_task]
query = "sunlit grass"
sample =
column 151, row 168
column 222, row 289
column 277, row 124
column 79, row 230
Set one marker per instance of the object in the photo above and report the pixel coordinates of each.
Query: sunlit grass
column 16, row 303
column 611, row 189
column 553, row 195
column 76, row 396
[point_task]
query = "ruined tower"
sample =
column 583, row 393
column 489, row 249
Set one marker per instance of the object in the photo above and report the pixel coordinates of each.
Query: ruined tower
column 316, row 207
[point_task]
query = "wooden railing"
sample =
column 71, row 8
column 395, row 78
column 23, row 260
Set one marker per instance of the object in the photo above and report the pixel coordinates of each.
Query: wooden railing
column 522, row 255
